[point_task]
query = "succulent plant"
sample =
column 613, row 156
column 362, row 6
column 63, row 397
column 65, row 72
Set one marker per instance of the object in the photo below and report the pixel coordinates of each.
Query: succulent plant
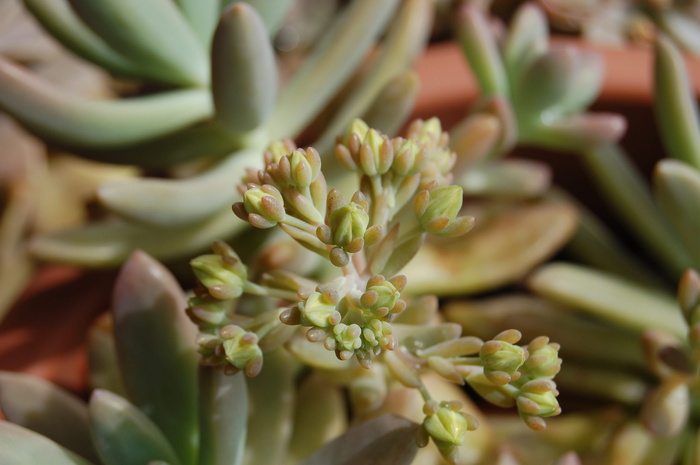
column 358, row 330
column 207, row 98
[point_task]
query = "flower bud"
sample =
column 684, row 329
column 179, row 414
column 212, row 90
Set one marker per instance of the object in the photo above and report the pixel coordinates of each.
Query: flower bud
column 409, row 158
column 358, row 128
column 349, row 222
column 426, row 132
column 317, row 310
column 538, row 399
column 241, row 349
column 543, row 361
column 437, row 211
column 218, row 277
column 277, row 149
column 347, row 337
column 206, row 313
column 267, row 203
column 501, row 360
column 381, row 293
column 304, row 167
column 447, row 426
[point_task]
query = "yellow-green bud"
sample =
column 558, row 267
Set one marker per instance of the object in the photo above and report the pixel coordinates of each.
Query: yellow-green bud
column 304, row 167
column 380, row 293
column 277, row 149
column 348, row 223
column 426, row 132
column 358, row 128
column 267, row 203
column 207, row 313
column 347, row 337
column 409, row 158
column 241, row 349
column 501, row 360
column 538, row 398
column 543, row 361
column 376, row 153
column 219, row 278
column 317, row 310
column 447, row 426
column 437, row 211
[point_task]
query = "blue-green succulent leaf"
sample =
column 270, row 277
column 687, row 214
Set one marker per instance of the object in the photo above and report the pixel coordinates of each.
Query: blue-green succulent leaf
column 527, row 39
column 102, row 357
column 57, row 17
column 123, row 434
column 156, row 350
column 479, row 46
column 244, row 71
column 202, row 16
column 93, row 123
column 272, row 12
column 676, row 110
column 20, row 446
column 223, row 411
column 153, row 34
column 385, row 440
column 179, row 202
column 329, row 65
column 677, row 192
column 48, row 410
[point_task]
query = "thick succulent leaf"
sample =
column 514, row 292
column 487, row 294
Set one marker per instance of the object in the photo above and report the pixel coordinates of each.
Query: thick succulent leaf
column 20, row 446
column 666, row 409
column 177, row 202
column 527, row 39
column 153, row 34
column 385, row 440
column 633, row 444
column 535, row 316
column 102, row 357
column 244, row 72
column 48, row 410
column 320, row 416
column 272, row 12
column 627, row 192
column 578, row 131
column 419, row 337
column 588, row 379
column 478, row 43
column 614, row 299
column 156, row 350
column 677, row 189
column 315, row 355
column 58, row 17
column 329, row 65
column 223, row 413
column 682, row 27
column 403, row 43
column 65, row 118
column 202, row 16
column 507, row 242
column 506, row 178
column 676, row 108
column 123, row 434
column 109, row 244
column 272, row 398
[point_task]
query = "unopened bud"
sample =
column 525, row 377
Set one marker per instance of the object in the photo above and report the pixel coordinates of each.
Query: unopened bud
column 221, row 281
column 317, row 310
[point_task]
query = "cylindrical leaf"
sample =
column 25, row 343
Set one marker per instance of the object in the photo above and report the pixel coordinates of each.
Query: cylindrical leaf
column 20, row 446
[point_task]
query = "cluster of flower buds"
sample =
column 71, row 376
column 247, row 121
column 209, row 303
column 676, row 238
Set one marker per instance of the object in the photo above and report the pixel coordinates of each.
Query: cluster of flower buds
column 222, row 278
column 502, row 372
column 447, row 426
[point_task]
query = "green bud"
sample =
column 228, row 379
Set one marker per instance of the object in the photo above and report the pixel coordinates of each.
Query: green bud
column 543, row 361
column 241, row 349
column 380, row 293
column 446, row 426
column 348, row 337
column 376, row 153
column 426, row 132
column 358, row 128
column 501, row 360
column 437, row 211
column 409, row 158
column 348, row 223
column 267, row 203
column 222, row 282
column 278, row 149
column 304, row 167
column 317, row 310
column 538, row 399
column 206, row 313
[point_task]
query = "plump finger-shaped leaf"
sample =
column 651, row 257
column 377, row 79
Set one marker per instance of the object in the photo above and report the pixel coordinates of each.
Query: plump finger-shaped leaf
column 20, row 446
column 579, row 131
column 48, row 410
column 272, row 397
column 386, row 440
column 420, row 337
column 507, row 178
column 67, row 119
column 478, row 43
column 628, row 193
column 527, row 39
column 329, row 419
column 676, row 109
column 503, row 246
column 123, row 434
column 627, row 387
column 677, row 191
column 206, row 139
column 682, row 27
column 634, row 444
column 329, row 65
column 223, row 412
column 180, row 201
column 403, row 43
column 272, row 12
column 152, row 34
column 533, row 316
column 102, row 357
column 666, row 409
column 57, row 17
column 474, row 139
column 109, row 244
column 244, row 72
column 156, row 350
column 614, row 299
column 202, row 16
